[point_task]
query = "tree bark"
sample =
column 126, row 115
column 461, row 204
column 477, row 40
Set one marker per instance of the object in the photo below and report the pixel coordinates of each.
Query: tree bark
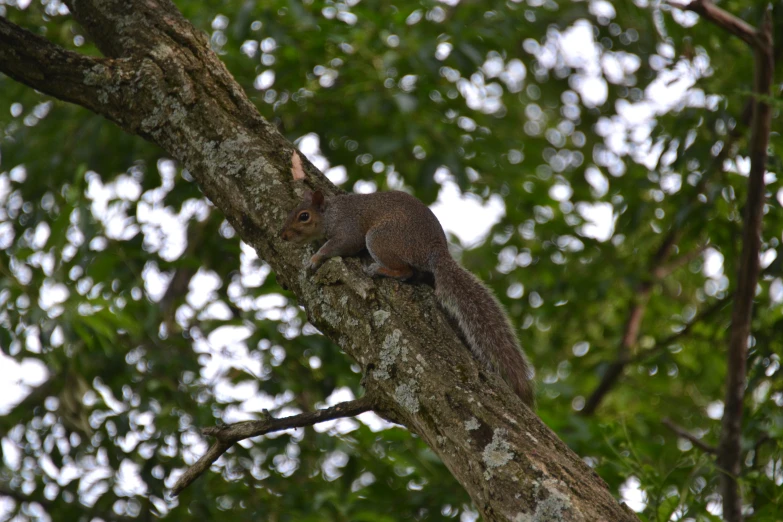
column 161, row 81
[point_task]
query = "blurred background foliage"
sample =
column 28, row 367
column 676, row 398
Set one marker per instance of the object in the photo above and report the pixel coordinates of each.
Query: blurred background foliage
column 610, row 138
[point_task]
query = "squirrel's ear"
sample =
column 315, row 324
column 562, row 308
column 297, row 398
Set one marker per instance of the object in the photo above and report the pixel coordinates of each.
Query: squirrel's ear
column 307, row 196
column 318, row 199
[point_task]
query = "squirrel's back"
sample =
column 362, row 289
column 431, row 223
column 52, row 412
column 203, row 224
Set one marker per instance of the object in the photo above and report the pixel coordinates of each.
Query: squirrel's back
column 416, row 233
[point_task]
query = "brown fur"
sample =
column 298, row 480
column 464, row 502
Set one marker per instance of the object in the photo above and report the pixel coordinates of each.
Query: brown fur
column 402, row 235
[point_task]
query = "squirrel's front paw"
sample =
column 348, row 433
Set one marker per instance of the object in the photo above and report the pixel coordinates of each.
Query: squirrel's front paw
column 314, row 263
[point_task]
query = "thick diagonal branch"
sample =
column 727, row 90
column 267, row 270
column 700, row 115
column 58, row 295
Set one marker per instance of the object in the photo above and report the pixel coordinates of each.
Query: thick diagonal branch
column 227, row 436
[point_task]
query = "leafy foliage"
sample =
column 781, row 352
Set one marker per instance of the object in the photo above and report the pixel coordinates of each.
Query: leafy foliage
column 146, row 318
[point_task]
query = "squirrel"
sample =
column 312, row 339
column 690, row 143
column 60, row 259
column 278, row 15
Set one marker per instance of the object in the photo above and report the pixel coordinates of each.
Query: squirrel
column 404, row 237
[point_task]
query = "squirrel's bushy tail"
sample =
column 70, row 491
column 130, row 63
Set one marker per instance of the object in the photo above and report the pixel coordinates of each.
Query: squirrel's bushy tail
column 485, row 325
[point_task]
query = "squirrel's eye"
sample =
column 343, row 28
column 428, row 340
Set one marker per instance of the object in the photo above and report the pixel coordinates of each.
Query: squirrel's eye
column 304, row 216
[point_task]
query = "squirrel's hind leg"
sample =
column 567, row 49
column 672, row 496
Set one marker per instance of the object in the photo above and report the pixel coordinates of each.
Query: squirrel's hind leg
column 377, row 269
column 387, row 261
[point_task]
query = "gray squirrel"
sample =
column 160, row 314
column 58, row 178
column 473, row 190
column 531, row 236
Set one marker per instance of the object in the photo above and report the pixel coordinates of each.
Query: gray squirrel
column 403, row 236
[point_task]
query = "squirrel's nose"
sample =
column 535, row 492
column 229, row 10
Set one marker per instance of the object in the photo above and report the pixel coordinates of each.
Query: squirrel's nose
column 284, row 235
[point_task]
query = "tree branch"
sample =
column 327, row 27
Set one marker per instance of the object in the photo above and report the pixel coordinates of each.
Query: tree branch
column 723, row 19
column 761, row 41
column 48, row 68
column 227, row 436
column 683, row 433
column 730, row 456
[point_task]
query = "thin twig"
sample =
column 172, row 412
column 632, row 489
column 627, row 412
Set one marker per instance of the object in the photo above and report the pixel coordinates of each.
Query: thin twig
column 227, row 436
column 664, row 343
column 685, row 434
column 615, row 369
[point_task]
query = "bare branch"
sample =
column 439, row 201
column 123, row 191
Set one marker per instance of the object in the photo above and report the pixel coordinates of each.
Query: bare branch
column 730, row 457
column 227, row 436
column 122, row 28
column 723, row 19
column 683, row 433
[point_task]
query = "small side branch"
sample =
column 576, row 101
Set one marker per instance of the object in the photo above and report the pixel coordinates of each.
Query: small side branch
column 693, row 439
column 227, row 436
column 44, row 66
column 723, row 19
column 69, row 76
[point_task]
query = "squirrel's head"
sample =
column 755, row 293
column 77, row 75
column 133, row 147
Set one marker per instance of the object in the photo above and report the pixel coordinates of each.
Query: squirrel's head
column 305, row 222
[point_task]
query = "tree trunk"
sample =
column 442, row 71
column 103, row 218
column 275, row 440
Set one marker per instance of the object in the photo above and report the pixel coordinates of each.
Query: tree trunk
column 160, row 80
